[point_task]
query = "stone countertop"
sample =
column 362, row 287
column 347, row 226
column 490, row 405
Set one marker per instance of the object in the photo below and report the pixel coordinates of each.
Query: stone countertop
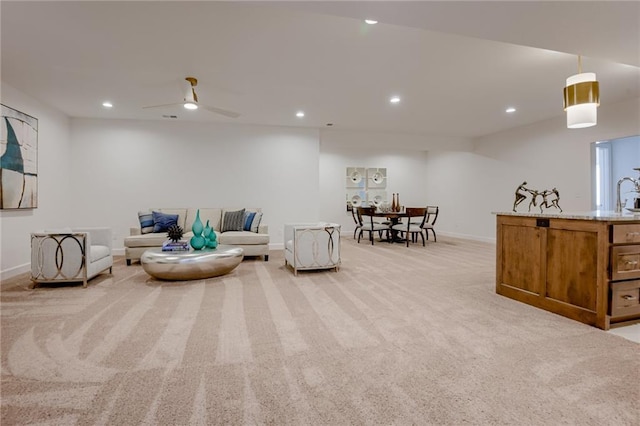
column 591, row 215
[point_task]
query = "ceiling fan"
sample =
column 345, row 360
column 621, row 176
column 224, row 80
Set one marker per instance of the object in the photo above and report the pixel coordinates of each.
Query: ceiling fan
column 191, row 101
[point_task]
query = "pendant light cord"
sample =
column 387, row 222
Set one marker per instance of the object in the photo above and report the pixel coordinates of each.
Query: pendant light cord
column 579, row 64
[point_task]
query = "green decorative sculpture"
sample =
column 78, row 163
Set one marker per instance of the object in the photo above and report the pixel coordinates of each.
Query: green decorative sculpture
column 197, row 241
column 210, row 236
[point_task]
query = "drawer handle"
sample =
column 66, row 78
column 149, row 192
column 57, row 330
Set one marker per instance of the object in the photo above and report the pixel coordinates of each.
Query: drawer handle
column 631, row 262
column 628, row 297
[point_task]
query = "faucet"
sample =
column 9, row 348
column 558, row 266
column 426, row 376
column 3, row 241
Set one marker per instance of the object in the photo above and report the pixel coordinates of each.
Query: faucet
column 636, row 182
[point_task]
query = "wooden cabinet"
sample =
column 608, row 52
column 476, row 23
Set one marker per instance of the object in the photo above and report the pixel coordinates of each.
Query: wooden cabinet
column 624, row 285
column 572, row 267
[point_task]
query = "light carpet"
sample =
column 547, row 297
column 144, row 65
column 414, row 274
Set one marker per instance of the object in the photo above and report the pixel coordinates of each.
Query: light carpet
column 404, row 336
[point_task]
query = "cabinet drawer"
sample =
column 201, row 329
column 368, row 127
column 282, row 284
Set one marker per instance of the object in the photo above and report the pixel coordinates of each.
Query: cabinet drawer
column 624, row 234
column 625, row 298
column 625, row 262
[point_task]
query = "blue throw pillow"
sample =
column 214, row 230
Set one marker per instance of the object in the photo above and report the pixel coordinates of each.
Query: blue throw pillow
column 248, row 218
column 146, row 222
column 255, row 224
column 162, row 221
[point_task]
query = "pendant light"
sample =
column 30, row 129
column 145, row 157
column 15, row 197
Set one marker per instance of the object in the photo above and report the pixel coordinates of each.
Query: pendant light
column 581, row 99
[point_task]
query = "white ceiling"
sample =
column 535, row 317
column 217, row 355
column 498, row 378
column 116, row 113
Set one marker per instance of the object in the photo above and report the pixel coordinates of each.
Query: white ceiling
column 456, row 65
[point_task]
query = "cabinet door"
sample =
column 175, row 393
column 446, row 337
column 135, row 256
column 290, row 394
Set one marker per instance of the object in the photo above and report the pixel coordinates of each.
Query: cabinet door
column 520, row 257
column 572, row 267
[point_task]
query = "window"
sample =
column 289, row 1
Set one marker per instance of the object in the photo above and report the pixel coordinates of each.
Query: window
column 611, row 161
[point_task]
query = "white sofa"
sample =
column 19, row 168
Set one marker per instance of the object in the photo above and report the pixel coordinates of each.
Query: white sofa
column 72, row 254
column 253, row 243
column 312, row 246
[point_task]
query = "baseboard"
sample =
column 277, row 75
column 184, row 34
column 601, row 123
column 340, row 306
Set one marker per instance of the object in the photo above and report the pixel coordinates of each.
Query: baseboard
column 276, row 246
column 16, row 270
column 468, row 237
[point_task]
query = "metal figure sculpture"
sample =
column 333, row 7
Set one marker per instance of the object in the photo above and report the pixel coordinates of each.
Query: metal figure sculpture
column 550, row 198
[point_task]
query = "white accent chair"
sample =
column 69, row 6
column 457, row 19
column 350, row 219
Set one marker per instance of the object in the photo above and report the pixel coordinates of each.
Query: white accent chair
column 312, row 246
column 70, row 255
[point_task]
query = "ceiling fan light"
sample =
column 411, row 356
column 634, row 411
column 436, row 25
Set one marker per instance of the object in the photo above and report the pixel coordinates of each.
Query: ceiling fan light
column 190, row 105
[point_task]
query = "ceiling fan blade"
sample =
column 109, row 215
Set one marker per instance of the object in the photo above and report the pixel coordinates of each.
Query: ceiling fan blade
column 163, row 105
column 221, row 111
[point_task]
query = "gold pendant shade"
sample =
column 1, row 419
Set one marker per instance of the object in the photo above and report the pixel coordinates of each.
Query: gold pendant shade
column 581, row 99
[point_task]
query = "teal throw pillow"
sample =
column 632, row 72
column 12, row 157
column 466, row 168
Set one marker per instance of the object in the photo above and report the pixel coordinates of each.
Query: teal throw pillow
column 162, row 221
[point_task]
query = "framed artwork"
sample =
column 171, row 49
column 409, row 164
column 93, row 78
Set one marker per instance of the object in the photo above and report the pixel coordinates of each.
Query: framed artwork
column 375, row 197
column 376, row 178
column 356, row 198
column 366, row 187
column 356, row 177
column 18, row 160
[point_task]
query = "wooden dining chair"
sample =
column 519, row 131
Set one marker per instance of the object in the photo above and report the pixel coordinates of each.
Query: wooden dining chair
column 368, row 224
column 430, row 221
column 354, row 214
column 414, row 226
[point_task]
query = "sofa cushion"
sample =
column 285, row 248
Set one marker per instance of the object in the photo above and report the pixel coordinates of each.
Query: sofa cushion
column 162, row 221
column 207, row 214
column 98, row 252
column 243, row 238
column 146, row 222
column 146, row 240
column 233, row 221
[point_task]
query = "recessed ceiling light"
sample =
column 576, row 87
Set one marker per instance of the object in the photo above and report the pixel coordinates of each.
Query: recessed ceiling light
column 510, row 110
column 190, row 105
column 394, row 99
column 107, row 104
column 300, row 114
column 371, row 21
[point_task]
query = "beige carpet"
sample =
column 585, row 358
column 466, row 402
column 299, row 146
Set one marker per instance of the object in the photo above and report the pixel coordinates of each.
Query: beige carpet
column 398, row 336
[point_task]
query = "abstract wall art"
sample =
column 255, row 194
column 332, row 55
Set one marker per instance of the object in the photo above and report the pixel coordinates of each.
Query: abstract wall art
column 366, row 187
column 18, row 160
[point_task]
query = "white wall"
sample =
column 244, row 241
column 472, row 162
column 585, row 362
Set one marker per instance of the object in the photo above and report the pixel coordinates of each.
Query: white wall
column 471, row 185
column 406, row 170
column 101, row 172
column 53, row 183
column 123, row 166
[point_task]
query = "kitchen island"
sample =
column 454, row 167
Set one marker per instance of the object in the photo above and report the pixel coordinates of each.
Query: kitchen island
column 584, row 266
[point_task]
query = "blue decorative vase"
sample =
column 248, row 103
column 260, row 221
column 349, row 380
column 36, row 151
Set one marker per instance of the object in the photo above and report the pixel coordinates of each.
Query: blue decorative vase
column 197, row 241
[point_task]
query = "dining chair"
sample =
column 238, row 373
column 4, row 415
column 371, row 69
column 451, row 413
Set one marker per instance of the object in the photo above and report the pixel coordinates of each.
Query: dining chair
column 354, row 214
column 430, row 221
column 368, row 224
column 414, row 226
